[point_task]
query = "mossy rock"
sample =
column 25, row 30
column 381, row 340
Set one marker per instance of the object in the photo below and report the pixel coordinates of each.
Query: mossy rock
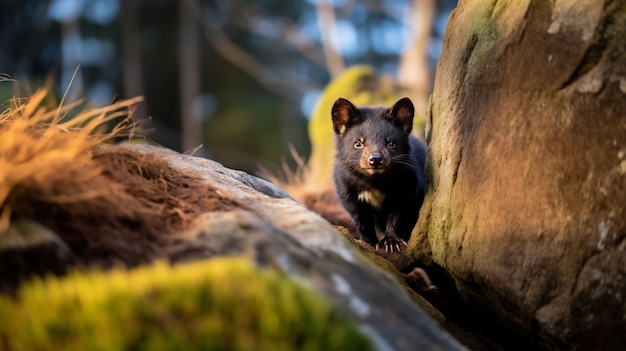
column 221, row 304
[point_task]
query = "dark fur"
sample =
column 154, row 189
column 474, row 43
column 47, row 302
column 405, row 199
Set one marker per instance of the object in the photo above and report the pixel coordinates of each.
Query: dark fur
column 379, row 170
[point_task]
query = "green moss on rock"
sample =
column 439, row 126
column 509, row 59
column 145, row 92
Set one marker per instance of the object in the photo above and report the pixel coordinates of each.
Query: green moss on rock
column 221, row 304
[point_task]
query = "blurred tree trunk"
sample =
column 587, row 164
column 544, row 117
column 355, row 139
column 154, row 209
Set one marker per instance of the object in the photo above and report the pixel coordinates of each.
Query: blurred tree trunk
column 189, row 73
column 71, row 76
column 132, row 69
column 414, row 75
column 327, row 24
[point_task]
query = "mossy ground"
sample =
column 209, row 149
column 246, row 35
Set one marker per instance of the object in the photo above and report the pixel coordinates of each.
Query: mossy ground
column 221, row 304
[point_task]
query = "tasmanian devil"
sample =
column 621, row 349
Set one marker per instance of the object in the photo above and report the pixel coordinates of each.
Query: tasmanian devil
column 379, row 170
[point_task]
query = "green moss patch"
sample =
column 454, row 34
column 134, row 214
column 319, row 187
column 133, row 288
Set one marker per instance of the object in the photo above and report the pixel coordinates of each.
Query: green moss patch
column 221, row 304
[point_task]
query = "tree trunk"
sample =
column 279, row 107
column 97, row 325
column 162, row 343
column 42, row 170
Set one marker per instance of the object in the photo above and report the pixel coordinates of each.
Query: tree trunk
column 189, row 73
column 414, row 72
column 132, row 69
column 326, row 20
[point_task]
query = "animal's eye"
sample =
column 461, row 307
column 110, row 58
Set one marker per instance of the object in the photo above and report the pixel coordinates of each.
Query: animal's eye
column 358, row 145
column 391, row 145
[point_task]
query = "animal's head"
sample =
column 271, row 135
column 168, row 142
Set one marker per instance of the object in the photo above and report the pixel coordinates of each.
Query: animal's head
column 373, row 139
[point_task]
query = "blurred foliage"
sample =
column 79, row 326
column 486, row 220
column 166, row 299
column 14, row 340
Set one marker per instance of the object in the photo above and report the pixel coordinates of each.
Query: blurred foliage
column 221, row 304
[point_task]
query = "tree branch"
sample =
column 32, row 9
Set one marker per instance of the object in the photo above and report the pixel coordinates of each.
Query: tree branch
column 413, row 71
column 289, row 33
column 281, row 82
column 327, row 24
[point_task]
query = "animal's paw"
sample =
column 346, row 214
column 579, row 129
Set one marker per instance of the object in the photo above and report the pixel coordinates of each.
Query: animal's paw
column 391, row 243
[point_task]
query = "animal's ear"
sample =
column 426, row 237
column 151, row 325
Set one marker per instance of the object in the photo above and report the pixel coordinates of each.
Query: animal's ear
column 402, row 113
column 345, row 114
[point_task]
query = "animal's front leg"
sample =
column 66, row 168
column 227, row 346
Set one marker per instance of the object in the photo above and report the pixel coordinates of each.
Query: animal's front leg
column 364, row 220
column 392, row 240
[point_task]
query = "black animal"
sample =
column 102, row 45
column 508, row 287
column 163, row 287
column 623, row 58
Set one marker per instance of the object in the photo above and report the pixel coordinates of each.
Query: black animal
column 379, row 170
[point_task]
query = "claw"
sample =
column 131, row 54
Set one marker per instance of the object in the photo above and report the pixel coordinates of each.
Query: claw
column 391, row 245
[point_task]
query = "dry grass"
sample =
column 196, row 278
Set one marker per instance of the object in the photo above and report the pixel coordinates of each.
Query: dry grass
column 290, row 180
column 38, row 145
column 108, row 204
column 306, row 189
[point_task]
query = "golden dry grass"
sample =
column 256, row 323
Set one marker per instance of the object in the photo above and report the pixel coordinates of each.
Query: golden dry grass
column 108, row 204
column 39, row 143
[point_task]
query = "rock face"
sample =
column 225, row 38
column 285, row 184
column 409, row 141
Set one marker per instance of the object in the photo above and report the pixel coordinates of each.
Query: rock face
column 28, row 248
column 253, row 218
column 527, row 202
column 277, row 232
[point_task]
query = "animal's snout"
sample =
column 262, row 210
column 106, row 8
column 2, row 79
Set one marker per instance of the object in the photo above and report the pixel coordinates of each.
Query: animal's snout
column 375, row 159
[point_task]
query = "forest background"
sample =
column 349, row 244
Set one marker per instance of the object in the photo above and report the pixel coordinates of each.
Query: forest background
column 238, row 78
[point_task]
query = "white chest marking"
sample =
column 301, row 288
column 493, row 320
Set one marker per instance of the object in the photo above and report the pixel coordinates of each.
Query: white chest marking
column 373, row 197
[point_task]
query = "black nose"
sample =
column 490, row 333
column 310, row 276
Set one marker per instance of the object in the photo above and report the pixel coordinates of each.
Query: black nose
column 375, row 159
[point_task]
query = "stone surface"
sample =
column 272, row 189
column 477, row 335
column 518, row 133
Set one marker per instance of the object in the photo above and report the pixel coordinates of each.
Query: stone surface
column 278, row 232
column 246, row 216
column 527, row 135
column 28, row 248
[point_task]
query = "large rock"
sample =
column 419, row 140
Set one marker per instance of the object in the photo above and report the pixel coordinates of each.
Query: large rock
column 277, row 232
column 161, row 205
column 26, row 249
column 527, row 201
